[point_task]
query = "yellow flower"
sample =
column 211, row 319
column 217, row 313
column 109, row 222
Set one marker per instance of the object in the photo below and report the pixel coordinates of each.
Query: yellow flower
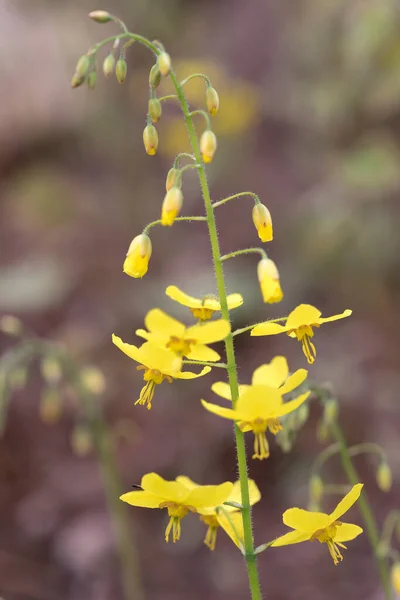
column 166, row 332
column 158, row 364
column 171, row 206
column 299, row 324
column 274, row 375
column 268, row 277
column 227, row 517
column 138, row 256
column 395, row 576
column 202, row 309
column 322, row 527
column 157, row 492
column 257, row 409
column 262, row 222
column 208, row 145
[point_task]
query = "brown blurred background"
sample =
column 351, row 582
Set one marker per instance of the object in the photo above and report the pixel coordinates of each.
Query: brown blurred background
column 309, row 120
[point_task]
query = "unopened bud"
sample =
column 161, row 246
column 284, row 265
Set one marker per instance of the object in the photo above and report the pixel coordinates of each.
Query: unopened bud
column 83, row 65
column 81, row 440
column 109, row 65
column 154, row 76
column 138, row 256
column 51, row 370
column 316, row 488
column 100, row 16
column 164, row 63
column 77, row 80
column 171, row 206
column 322, row 431
column 331, row 411
column 11, row 325
column 155, row 109
column 302, row 414
column 208, row 145
column 268, row 277
column 121, row 69
column 150, row 139
column 212, row 100
column 17, row 378
column 93, row 380
column 262, row 222
column 50, row 406
column 91, row 80
column 395, row 577
column 313, row 506
column 174, row 179
column 384, row 477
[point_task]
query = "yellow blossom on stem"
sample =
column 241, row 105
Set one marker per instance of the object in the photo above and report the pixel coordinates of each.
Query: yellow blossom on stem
column 137, row 258
column 274, row 375
column 257, row 409
column 158, row 364
column 171, row 206
column 268, row 277
column 178, row 499
column 299, row 324
column 166, row 332
column 208, row 145
column 322, row 527
column 227, row 517
column 262, row 222
column 202, row 309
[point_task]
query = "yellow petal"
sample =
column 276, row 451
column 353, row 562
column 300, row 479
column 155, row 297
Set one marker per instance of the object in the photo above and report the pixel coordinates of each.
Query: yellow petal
column 288, row 407
column 158, row 321
column 342, row 315
column 236, row 494
column 294, row 380
column 234, row 300
column 136, row 265
column 209, row 495
column 187, row 482
column 232, row 524
column 202, row 352
column 167, row 490
column 130, row 350
column 347, row 502
column 293, row 537
column 225, row 413
column 223, row 389
column 304, row 314
column 305, row 520
column 208, row 333
column 258, row 402
column 346, row 532
column 273, row 374
column 268, row 328
column 178, row 295
column 141, row 498
column 190, row 375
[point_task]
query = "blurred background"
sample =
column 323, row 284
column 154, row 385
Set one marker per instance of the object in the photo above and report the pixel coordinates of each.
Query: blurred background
column 309, row 120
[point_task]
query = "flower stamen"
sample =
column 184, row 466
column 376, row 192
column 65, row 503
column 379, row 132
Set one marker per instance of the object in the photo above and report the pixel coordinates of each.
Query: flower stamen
column 211, row 535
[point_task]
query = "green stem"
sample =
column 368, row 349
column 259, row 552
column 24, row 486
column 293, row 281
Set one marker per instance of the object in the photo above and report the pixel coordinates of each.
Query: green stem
column 158, row 222
column 239, row 195
column 169, row 97
column 205, row 363
column 250, row 556
column 203, row 114
column 248, row 327
column 260, row 251
column 182, row 155
column 193, row 76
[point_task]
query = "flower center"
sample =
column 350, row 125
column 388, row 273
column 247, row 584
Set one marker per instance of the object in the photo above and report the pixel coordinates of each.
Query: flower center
column 258, row 426
column 327, row 536
column 304, row 333
column 211, row 535
column 152, row 377
column 180, row 345
column 274, row 425
column 202, row 314
column 176, row 512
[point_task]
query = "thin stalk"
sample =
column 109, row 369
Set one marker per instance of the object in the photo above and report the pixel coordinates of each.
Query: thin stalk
column 205, row 363
column 260, row 251
column 201, row 75
column 250, row 556
column 158, row 222
column 239, row 195
column 248, row 327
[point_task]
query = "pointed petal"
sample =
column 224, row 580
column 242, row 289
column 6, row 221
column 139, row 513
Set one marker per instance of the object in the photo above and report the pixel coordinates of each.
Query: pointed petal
column 258, row 402
column 288, row 407
column 187, row 482
column 268, row 328
column 347, row 532
column 305, row 520
column 157, row 321
column 143, row 334
column 304, row 314
column 225, row 413
column 210, row 332
column 166, row 490
column 293, row 381
column 141, row 498
column 234, row 300
column 293, row 537
column 272, row 374
column 223, row 389
column 132, row 351
column 203, row 352
column 209, row 495
column 342, row 315
column 232, row 524
column 190, row 374
column 176, row 294
column 347, row 502
column 236, row 495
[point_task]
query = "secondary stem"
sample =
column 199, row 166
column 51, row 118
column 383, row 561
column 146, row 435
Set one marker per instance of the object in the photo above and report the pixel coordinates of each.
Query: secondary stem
column 251, row 559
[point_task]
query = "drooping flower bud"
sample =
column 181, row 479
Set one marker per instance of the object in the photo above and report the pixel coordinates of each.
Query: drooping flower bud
column 384, row 477
column 81, row 440
column 50, row 370
column 268, row 277
column 171, row 206
column 121, row 69
column 262, row 222
column 109, row 65
column 208, row 145
column 212, row 100
column 316, row 488
column 150, row 139
column 50, row 406
column 77, row 81
column 154, row 76
column 174, row 178
column 164, row 63
column 100, row 16
column 91, row 80
column 331, row 411
column 155, row 109
column 83, row 65
column 93, row 380
column 138, row 256
column 11, row 325
column 395, row 577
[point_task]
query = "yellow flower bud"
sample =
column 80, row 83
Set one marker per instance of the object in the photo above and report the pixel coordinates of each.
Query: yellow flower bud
column 155, row 109
column 50, row 406
column 154, row 76
column 212, row 100
column 11, row 325
column 164, row 63
column 174, row 179
column 171, row 206
column 208, row 145
column 93, row 380
column 322, row 431
column 138, row 256
column 91, row 80
column 331, row 411
column 395, row 577
column 384, row 477
column 83, row 65
column 100, row 16
column 316, row 489
column 50, row 369
column 121, row 69
column 109, row 65
column 262, row 222
column 81, row 440
column 150, row 139
column 268, row 277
